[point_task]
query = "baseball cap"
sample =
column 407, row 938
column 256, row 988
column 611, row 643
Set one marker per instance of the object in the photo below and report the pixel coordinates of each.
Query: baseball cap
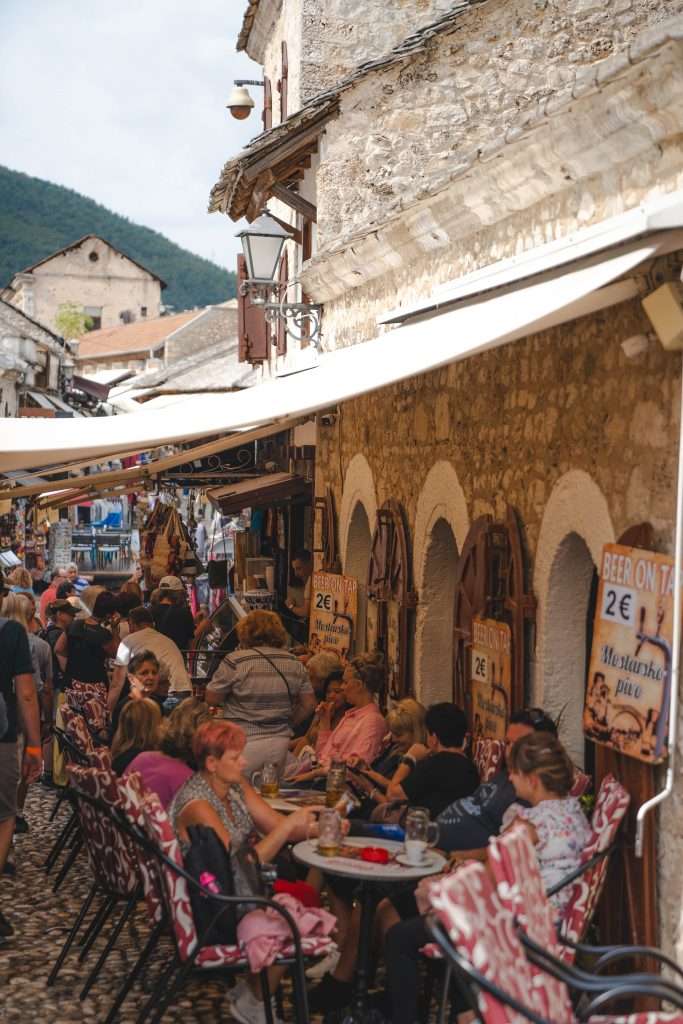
column 171, row 583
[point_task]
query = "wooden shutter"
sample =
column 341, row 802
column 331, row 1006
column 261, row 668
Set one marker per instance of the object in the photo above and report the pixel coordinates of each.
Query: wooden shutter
column 253, row 334
column 281, row 330
column 267, row 104
column 283, row 83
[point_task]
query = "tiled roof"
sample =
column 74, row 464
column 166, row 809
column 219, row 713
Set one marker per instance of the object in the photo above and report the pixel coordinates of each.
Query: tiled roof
column 140, row 336
column 324, row 104
column 77, row 244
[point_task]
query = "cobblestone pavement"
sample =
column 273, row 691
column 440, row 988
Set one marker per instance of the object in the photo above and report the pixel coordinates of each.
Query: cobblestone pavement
column 41, row 922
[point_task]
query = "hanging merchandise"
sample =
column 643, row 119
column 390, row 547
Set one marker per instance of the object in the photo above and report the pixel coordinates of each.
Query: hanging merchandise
column 166, row 547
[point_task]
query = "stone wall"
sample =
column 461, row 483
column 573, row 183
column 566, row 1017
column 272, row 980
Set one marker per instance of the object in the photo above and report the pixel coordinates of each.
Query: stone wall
column 112, row 282
column 217, row 324
column 403, row 132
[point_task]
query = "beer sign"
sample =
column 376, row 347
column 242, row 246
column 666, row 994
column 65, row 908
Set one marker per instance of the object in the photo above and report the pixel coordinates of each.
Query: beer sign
column 491, row 678
column 629, row 676
column 332, row 616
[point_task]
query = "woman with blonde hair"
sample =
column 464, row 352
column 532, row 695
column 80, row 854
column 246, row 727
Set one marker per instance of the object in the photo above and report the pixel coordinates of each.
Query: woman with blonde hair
column 406, row 722
column 20, row 581
column 262, row 688
column 139, row 729
column 165, row 770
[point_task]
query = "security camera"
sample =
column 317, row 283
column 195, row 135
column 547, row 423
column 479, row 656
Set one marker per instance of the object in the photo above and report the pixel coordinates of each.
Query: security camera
column 328, row 419
column 240, row 104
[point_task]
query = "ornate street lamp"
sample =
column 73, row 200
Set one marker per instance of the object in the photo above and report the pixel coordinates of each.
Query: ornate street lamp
column 262, row 244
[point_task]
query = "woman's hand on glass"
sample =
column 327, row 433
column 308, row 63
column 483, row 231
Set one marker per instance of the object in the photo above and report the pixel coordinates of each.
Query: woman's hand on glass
column 302, row 824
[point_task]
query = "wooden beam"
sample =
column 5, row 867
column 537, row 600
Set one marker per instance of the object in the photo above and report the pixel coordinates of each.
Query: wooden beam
column 297, row 202
column 226, row 443
column 290, row 146
column 259, row 195
column 294, row 232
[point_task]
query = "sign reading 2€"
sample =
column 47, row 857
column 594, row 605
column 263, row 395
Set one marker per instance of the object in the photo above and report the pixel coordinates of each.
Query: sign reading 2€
column 332, row 618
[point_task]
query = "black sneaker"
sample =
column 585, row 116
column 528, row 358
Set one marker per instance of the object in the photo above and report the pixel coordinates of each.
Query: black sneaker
column 20, row 825
column 5, row 926
column 330, row 994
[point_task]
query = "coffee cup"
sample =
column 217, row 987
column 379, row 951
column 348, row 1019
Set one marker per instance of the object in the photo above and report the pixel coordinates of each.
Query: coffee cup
column 420, row 833
column 415, row 851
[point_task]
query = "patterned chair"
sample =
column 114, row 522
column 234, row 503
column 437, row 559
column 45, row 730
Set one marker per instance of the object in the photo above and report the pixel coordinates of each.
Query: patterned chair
column 113, row 865
column 167, row 884
column 477, row 934
column 520, row 889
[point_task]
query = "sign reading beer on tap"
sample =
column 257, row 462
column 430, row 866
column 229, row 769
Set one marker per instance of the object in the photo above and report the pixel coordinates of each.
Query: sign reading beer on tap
column 491, row 673
column 332, row 618
column 629, row 677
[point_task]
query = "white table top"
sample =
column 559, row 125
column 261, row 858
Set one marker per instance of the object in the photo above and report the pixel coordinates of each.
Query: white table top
column 363, row 870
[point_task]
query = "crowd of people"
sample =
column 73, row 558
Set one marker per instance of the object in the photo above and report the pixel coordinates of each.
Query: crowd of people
column 268, row 704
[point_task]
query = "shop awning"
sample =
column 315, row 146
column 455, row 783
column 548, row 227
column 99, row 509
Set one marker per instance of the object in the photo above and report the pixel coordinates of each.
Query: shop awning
column 474, row 326
column 261, row 490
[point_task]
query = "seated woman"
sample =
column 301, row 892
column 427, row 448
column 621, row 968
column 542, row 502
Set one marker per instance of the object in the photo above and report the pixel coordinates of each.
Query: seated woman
column 332, row 694
column 542, row 774
column 362, row 729
column 165, row 770
column 138, row 730
column 218, row 796
column 142, row 680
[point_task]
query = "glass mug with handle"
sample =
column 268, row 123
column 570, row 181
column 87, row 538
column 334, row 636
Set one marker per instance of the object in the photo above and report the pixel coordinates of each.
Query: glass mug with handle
column 420, row 834
column 267, row 780
column 336, row 784
column 330, row 832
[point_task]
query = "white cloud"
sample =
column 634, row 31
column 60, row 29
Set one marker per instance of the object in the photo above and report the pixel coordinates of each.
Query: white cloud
column 125, row 102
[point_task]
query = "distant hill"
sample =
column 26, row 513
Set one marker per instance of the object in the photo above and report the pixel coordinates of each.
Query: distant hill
column 37, row 217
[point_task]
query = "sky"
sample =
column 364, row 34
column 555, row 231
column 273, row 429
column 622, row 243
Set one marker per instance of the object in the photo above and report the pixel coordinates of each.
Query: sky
column 125, row 102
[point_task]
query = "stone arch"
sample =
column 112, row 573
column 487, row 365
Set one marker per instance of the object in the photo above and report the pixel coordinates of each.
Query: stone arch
column 357, row 519
column 576, row 524
column 359, row 486
column 441, row 526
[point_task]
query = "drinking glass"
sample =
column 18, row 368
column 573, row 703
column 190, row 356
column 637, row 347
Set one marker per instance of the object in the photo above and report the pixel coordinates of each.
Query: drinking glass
column 420, row 833
column 329, row 832
column 267, row 780
column 336, row 784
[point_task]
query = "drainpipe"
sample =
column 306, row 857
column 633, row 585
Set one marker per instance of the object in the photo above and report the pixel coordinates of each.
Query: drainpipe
column 665, row 793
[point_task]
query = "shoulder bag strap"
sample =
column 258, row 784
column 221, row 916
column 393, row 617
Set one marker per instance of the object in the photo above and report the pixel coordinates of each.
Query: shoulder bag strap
column 281, row 674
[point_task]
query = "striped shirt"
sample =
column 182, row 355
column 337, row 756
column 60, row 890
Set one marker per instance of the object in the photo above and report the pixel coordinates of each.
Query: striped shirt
column 254, row 693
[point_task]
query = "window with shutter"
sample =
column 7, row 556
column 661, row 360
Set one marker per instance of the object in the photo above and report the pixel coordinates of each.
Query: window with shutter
column 253, row 332
column 281, row 336
column 283, row 83
column 267, row 104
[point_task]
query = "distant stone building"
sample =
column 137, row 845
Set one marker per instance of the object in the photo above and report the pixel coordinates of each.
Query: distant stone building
column 109, row 286
column 151, row 344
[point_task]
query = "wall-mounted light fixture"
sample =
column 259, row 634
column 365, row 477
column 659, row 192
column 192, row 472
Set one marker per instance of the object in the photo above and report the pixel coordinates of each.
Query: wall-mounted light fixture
column 262, row 244
column 240, row 103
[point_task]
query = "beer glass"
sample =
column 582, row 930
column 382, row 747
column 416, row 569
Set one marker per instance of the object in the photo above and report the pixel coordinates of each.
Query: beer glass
column 267, row 780
column 329, row 832
column 420, row 833
column 336, row 784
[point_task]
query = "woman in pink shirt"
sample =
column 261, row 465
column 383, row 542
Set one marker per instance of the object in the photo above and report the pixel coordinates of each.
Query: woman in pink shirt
column 362, row 728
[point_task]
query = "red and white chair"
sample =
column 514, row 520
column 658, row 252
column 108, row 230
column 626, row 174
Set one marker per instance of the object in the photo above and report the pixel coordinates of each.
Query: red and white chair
column 478, row 936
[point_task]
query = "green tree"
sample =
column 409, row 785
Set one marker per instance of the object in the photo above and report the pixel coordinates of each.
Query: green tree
column 71, row 321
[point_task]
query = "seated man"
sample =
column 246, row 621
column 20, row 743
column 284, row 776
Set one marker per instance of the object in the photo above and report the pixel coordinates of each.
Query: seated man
column 465, row 827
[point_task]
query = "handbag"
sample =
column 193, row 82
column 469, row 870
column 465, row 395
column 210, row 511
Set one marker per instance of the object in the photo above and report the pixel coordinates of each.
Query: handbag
column 217, row 568
column 208, row 862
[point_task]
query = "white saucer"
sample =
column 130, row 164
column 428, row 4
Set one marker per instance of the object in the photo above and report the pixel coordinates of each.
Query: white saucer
column 402, row 858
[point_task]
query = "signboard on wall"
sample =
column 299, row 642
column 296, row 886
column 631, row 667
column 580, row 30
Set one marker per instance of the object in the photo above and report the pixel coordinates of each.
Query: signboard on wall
column 332, row 618
column 629, row 676
column 490, row 677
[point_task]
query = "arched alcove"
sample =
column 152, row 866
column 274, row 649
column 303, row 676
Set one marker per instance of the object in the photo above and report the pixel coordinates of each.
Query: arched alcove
column 576, row 524
column 441, row 525
column 358, row 544
column 437, row 597
column 567, row 603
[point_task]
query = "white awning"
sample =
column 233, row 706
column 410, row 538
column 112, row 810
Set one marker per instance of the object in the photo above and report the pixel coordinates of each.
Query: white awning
column 346, row 373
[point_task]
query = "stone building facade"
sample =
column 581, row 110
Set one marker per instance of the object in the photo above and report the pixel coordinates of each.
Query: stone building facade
column 95, row 276
column 503, row 126
column 32, row 365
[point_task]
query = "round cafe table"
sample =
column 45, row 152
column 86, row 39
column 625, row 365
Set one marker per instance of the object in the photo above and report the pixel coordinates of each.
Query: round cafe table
column 372, row 878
